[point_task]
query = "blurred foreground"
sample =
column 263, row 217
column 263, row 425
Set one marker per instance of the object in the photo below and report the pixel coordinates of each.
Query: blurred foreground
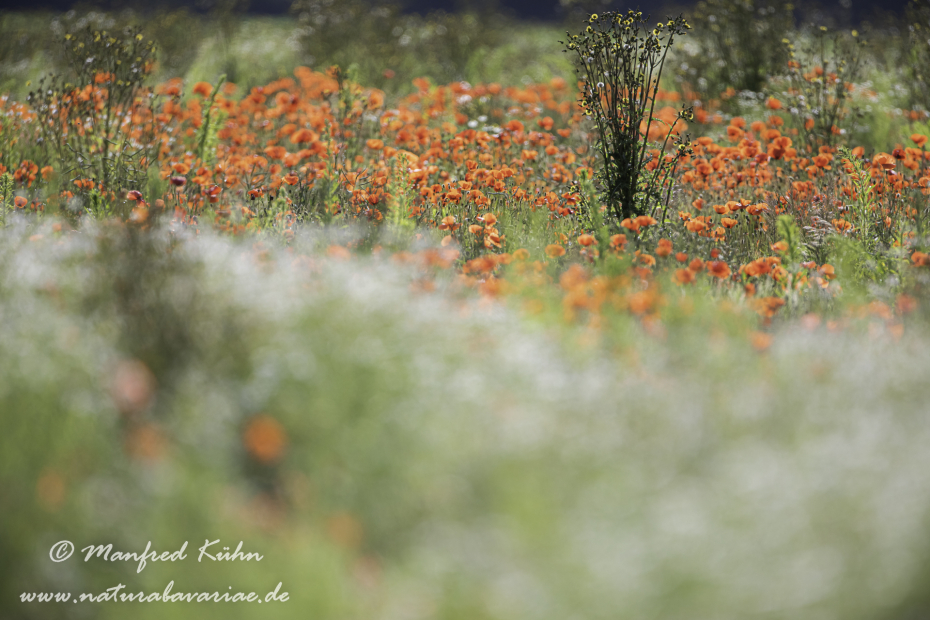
column 430, row 455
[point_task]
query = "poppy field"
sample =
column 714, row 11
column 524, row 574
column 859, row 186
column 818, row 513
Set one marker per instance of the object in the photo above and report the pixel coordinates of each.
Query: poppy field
column 642, row 337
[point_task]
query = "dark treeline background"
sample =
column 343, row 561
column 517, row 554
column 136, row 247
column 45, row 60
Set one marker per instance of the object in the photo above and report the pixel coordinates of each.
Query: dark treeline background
column 840, row 11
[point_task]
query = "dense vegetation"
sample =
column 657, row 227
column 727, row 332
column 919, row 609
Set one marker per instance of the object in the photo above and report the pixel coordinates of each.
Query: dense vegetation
column 446, row 322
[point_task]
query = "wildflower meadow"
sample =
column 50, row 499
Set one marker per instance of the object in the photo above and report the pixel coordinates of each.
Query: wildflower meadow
column 357, row 313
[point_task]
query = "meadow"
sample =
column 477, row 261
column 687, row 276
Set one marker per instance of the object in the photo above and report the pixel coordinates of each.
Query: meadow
column 460, row 317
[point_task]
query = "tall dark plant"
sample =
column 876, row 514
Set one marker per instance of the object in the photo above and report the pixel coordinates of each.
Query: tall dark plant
column 99, row 117
column 821, row 76
column 620, row 59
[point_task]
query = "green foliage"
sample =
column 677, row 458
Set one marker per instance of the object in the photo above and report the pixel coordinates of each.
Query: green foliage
column 853, row 263
column 526, row 53
column 206, row 135
column 790, row 233
column 226, row 17
column 177, row 33
column 6, row 195
column 22, row 40
column 402, row 194
column 391, row 48
column 916, row 55
column 738, row 45
column 620, row 59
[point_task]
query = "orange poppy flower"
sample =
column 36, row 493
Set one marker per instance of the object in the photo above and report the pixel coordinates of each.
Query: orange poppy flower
column 768, row 306
column 213, row 192
column 664, row 248
column 905, row 304
column 719, row 269
column 482, row 264
column 375, row 99
column 735, row 134
column 275, row 152
column 145, row 443
column 683, row 276
column 264, row 439
column 554, row 250
column 920, row 259
column 303, row 135
column 587, row 240
column 758, row 267
column 841, row 225
column 203, row 89
column 884, row 161
column 448, row 223
column 617, row 241
column 641, row 302
column 760, row 341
